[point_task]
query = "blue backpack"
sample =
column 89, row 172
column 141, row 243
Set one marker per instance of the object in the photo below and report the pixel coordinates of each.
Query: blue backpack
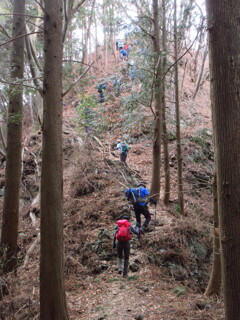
column 134, row 196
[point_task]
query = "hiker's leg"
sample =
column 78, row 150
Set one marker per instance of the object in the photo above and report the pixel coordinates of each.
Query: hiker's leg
column 126, row 257
column 137, row 210
column 147, row 216
column 125, row 160
column 101, row 93
column 123, row 156
column 119, row 256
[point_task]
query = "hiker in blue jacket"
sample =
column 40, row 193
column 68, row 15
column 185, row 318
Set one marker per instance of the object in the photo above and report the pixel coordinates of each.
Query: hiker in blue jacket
column 123, row 54
column 139, row 198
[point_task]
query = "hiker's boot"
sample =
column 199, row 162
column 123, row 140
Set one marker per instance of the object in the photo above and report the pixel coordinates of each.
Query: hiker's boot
column 119, row 263
column 142, row 230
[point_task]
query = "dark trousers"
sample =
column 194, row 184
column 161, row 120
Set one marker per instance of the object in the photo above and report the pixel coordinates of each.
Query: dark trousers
column 101, row 94
column 123, row 157
column 138, row 209
column 123, row 249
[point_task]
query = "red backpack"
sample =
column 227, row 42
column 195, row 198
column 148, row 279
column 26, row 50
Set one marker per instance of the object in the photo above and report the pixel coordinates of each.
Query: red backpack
column 123, row 233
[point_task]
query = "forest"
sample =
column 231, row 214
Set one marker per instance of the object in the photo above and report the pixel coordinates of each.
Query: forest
column 100, row 99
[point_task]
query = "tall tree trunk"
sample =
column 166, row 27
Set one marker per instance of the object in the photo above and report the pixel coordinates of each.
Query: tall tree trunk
column 200, row 75
column 155, row 183
column 224, row 36
column 164, row 125
column 88, row 34
column 178, row 133
column 9, row 235
column 105, row 38
column 214, row 285
column 52, row 289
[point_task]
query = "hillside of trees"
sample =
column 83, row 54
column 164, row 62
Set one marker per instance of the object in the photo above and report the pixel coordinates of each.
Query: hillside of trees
column 62, row 184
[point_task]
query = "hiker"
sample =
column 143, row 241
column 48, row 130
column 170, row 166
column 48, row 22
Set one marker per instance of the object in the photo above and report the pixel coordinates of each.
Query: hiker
column 123, row 237
column 117, row 86
column 127, row 47
column 88, row 116
column 132, row 74
column 123, row 54
column 139, row 197
column 119, row 45
column 123, row 148
column 132, row 70
column 101, row 88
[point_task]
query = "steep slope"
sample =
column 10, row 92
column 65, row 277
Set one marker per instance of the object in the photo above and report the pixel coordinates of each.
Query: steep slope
column 170, row 265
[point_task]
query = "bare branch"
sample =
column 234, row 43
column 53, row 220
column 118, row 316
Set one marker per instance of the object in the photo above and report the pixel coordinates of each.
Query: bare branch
column 78, row 61
column 77, row 7
column 19, row 14
column 18, row 84
column 181, row 56
column 24, row 35
column 4, row 31
column 76, row 81
column 41, row 6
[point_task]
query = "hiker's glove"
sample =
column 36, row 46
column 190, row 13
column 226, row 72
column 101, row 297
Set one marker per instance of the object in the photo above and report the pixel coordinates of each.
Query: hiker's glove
column 153, row 201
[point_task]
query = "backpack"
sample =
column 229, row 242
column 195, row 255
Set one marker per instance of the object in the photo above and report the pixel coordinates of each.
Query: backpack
column 123, row 233
column 124, row 147
column 135, row 198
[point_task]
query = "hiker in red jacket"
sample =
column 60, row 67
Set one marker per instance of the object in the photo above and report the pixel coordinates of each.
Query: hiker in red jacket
column 127, row 47
column 123, row 237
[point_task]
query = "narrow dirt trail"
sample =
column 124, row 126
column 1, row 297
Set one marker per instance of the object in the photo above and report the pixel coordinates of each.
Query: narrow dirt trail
column 140, row 296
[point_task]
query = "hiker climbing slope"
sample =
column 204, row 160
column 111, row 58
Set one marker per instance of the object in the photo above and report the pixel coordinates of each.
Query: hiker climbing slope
column 139, row 198
column 119, row 44
column 123, row 237
column 123, row 147
column 123, row 54
column 101, row 88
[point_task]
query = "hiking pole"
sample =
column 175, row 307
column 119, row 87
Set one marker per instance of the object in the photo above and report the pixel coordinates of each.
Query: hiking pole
column 155, row 219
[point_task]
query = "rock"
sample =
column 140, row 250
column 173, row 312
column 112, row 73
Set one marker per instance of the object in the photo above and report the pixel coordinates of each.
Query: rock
column 142, row 288
column 134, row 267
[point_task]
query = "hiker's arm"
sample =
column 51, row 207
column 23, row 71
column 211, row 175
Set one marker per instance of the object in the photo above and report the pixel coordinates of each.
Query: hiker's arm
column 152, row 200
column 146, row 192
column 127, row 193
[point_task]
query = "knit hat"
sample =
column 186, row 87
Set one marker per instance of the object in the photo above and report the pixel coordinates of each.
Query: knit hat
column 143, row 184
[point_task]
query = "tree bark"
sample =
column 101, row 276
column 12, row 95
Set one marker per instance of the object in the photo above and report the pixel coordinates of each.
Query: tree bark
column 155, row 183
column 214, row 285
column 224, row 40
column 164, row 124
column 200, row 76
column 177, row 106
column 9, row 236
column 52, row 289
